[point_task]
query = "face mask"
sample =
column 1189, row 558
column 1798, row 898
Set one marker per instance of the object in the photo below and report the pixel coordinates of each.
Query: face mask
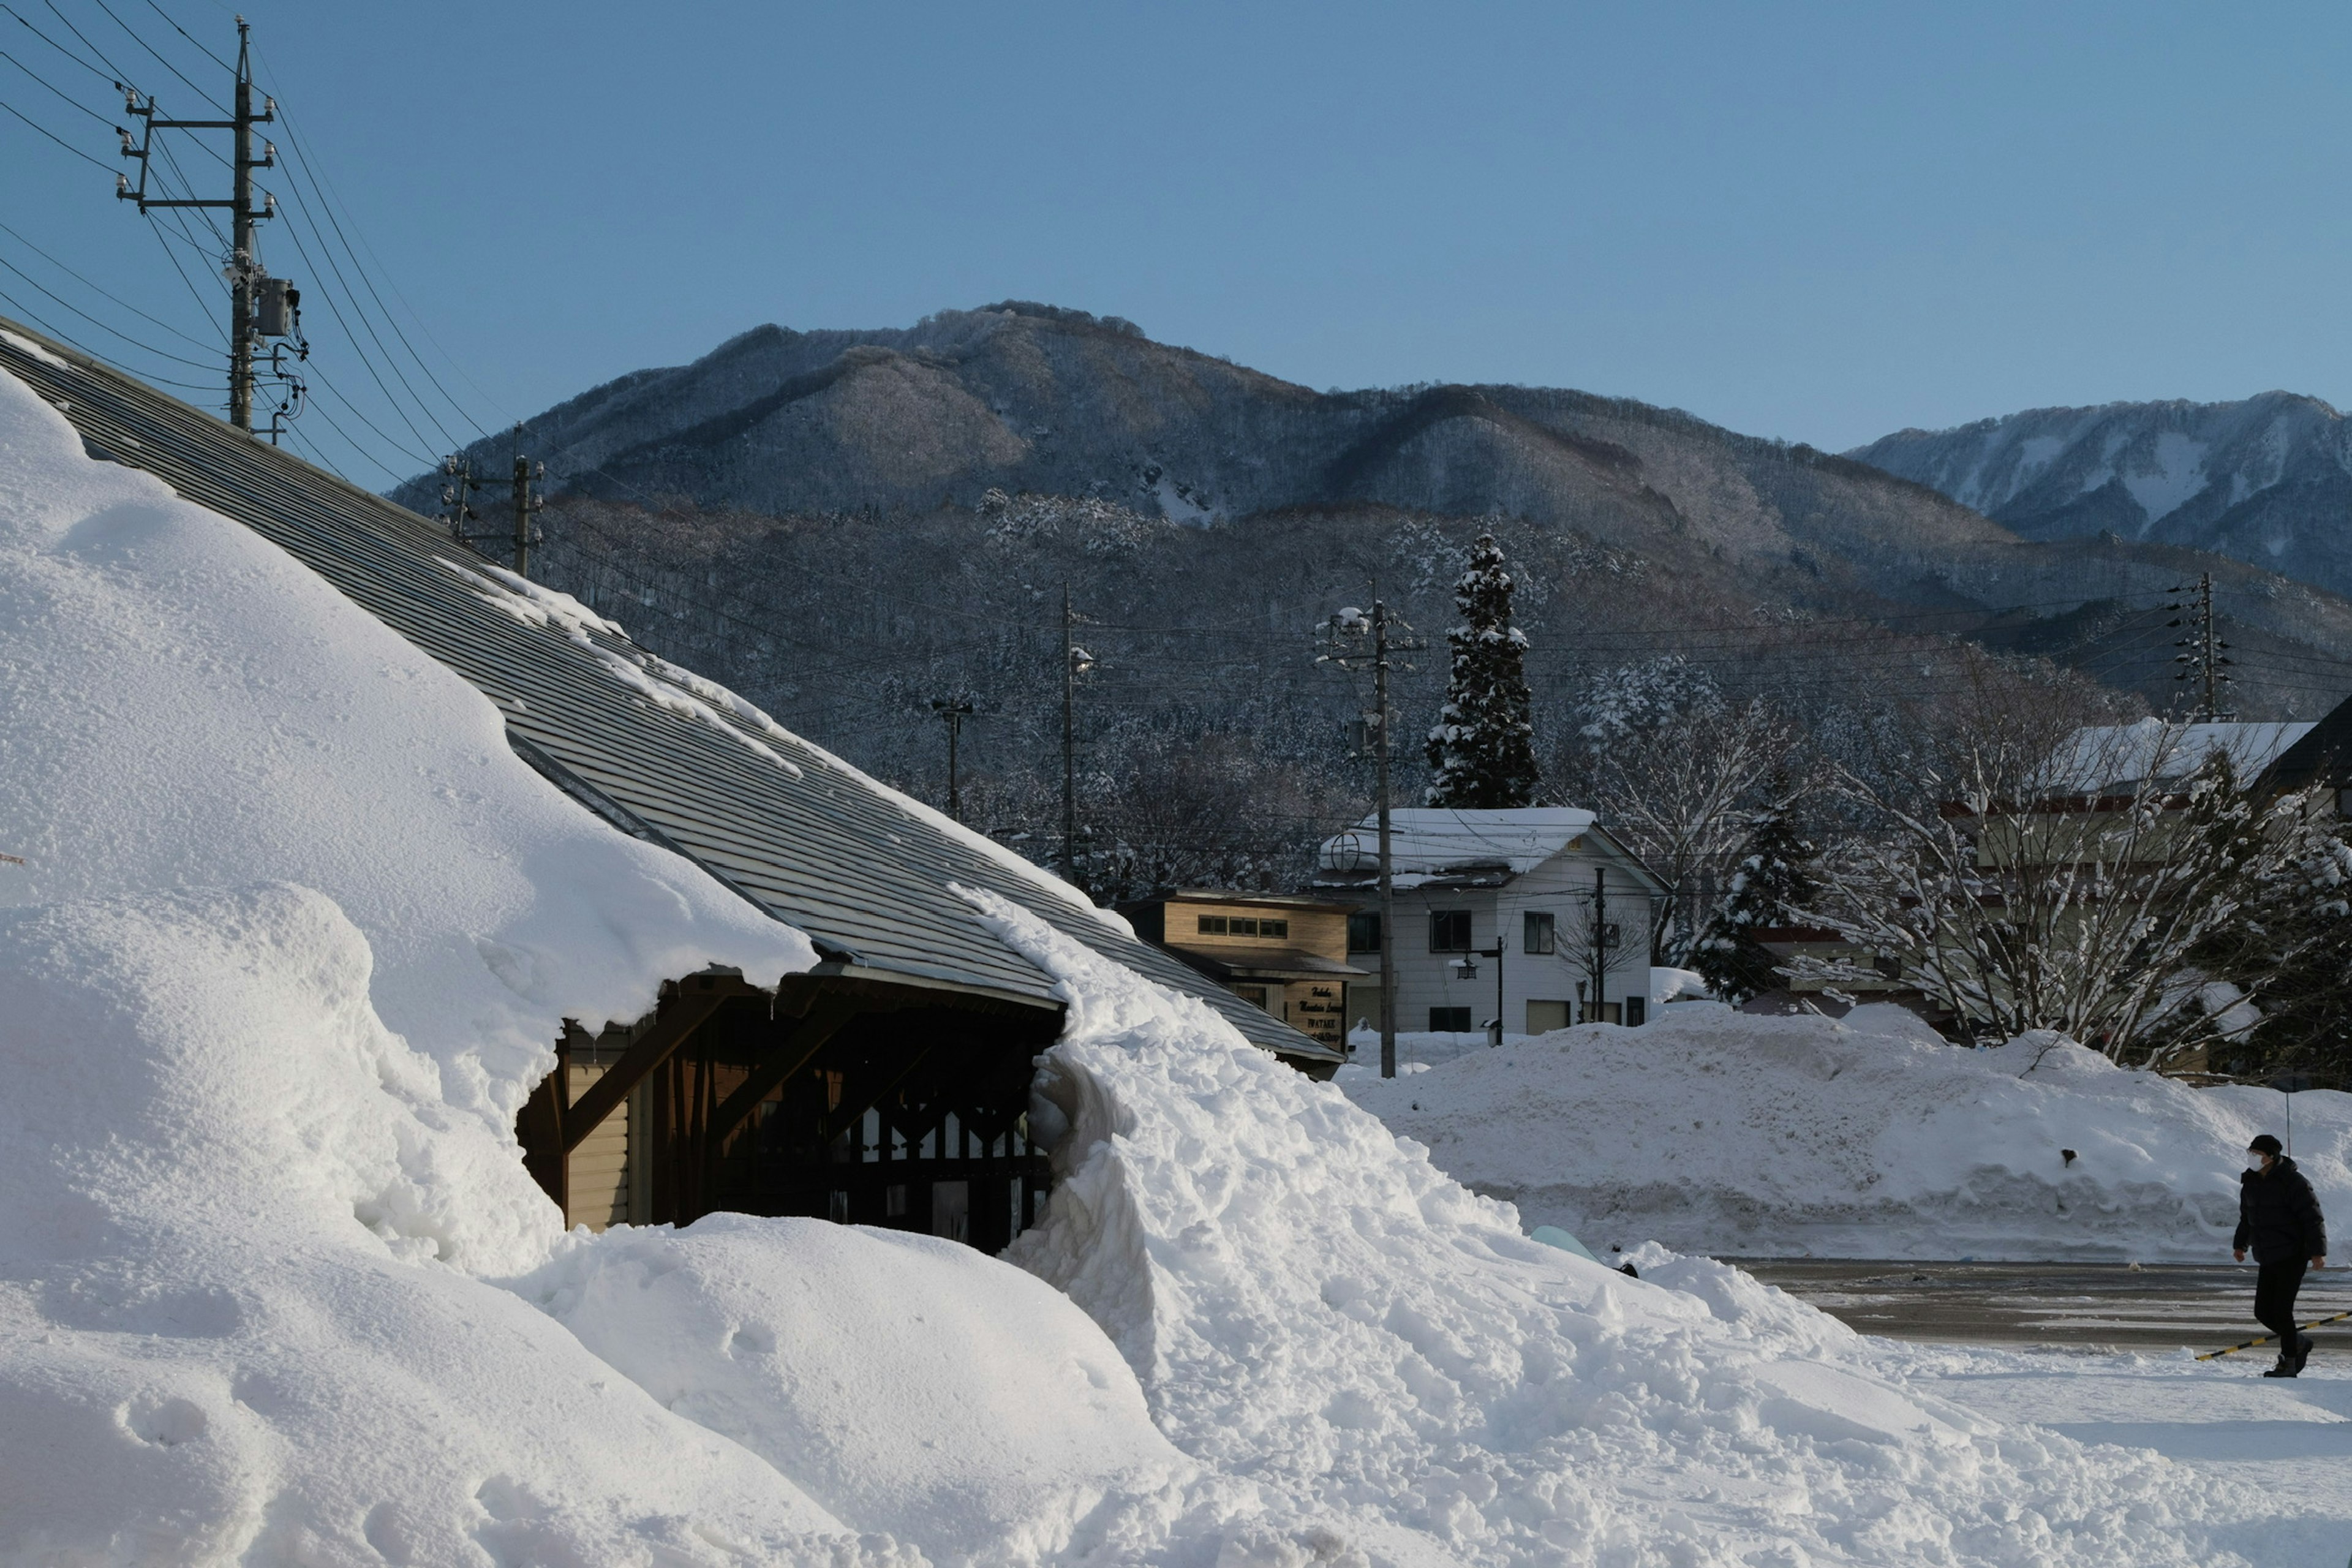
column 2254, row 1162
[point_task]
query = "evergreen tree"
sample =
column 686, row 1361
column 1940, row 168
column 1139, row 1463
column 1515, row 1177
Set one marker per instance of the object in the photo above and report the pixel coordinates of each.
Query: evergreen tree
column 1482, row 752
column 1771, row 883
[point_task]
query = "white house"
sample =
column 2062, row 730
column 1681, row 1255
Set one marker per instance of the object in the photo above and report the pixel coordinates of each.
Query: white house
column 1574, row 909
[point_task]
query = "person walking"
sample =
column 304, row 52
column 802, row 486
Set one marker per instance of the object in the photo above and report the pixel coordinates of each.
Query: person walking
column 2279, row 1219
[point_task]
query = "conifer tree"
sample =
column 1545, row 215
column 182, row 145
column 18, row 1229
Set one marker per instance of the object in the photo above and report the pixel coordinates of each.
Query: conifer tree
column 1482, row 752
column 1772, row 882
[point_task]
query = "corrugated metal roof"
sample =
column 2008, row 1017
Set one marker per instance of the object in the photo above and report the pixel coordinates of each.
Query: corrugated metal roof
column 810, row 840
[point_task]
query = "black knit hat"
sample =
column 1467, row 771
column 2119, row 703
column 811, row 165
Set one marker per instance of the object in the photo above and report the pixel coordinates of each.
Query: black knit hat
column 2265, row 1143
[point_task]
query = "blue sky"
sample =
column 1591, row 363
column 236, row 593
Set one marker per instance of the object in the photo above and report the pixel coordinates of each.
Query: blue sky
column 1819, row 222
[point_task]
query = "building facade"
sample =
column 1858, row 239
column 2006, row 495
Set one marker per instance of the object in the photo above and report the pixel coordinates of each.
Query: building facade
column 1288, row 955
column 1536, row 916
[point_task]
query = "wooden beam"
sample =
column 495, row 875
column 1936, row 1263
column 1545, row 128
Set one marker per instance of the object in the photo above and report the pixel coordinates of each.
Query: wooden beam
column 824, row 1021
column 688, row 1011
column 539, row 1126
column 841, row 1122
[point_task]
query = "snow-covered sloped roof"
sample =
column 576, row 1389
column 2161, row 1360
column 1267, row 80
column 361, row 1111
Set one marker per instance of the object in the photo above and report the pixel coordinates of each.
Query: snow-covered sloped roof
column 2101, row 757
column 875, row 879
column 1433, row 840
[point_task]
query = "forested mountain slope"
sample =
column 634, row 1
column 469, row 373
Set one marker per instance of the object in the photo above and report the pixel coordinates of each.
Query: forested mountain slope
column 845, row 525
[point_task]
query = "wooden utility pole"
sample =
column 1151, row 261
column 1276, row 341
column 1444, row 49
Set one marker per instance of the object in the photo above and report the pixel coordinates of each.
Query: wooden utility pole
column 1383, row 717
column 1342, row 629
column 1076, row 660
column 954, row 710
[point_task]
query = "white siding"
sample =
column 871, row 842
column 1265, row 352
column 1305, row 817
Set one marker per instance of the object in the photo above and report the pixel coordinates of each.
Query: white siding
column 1561, row 888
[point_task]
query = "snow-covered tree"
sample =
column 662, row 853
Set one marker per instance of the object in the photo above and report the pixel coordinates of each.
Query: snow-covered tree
column 1681, row 786
column 2121, row 904
column 1772, row 881
column 1482, row 751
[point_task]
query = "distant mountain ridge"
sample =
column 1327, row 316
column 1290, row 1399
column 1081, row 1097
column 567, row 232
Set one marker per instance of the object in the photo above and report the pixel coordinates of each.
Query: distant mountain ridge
column 2266, row 479
column 1021, row 397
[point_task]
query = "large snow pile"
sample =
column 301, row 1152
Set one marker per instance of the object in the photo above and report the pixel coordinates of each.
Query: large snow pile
column 1409, row 1379
column 1716, row 1131
column 294, row 932
column 292, row 935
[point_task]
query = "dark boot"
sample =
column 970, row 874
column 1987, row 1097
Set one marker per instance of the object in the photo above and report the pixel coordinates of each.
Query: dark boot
column 2303, row 1349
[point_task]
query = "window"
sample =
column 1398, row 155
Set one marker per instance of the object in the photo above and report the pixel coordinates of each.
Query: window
column 1364, row 933
column 1637, row 1010
column 1213, row 925
column 1535, row 932
column 1253, row 995
column 1273, row 928
column 1449, row 1020
column 1449, row 931
column 1611, row 936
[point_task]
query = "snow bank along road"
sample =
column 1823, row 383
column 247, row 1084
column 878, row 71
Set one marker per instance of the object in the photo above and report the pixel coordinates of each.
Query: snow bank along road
column 1714, row 1132
column 295, row 933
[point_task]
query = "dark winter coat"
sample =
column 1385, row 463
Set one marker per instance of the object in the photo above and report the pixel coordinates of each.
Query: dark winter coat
column 2278, row 1215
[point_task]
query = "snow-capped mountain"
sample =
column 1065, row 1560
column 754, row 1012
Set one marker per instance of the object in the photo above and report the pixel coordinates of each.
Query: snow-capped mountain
column 2267, row 480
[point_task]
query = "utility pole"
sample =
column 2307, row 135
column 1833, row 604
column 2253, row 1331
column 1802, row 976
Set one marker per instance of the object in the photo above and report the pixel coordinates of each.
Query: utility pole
column 249, row 285
column 456, row 494
column 2205, row 658
column 1076, row 661
column 526, row 502
column 1343, row 627
column 955, row 710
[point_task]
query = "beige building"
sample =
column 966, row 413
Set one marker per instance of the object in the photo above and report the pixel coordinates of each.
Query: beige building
column 1286, row 955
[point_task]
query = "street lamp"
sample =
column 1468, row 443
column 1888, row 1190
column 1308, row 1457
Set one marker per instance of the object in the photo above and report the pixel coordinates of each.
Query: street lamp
column 1464, row 969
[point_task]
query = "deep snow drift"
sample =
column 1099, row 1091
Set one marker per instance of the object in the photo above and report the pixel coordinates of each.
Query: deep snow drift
column 1715, row 1132
column 1312, row 1305
column 275, row 1289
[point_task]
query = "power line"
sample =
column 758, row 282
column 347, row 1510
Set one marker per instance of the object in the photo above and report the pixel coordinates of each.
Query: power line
column 190, row 36
column 68, row 338
column 121, row 76
column 86, row 283
column 93, row 320
column 327, row 205
column 167, row 65
column 56, row 138
column 71, row 101
column 111, row 80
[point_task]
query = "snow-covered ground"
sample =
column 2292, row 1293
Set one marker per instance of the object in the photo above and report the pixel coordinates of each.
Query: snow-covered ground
column 2288, row 1444
column 1718, row 1133
column 295, row 931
